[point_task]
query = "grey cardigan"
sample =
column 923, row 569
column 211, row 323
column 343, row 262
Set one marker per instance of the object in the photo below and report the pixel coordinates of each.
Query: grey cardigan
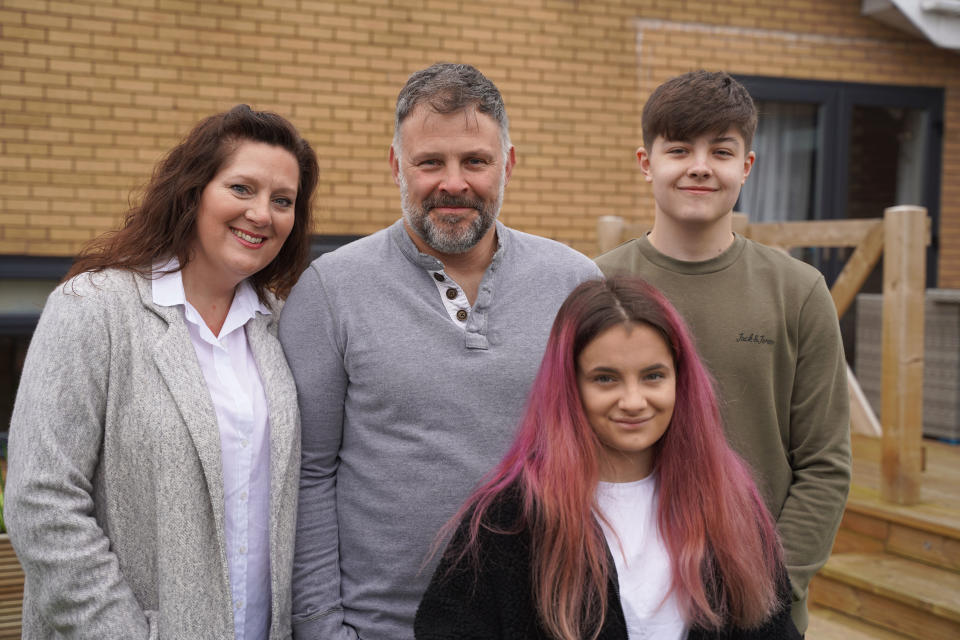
column 114, row 498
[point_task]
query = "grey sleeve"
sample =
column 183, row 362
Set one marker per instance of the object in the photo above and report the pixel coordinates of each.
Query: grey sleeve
column 308, row 334
column 73, row 578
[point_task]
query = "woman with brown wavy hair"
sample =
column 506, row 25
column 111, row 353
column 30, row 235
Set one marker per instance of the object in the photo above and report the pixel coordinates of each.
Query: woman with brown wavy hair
column 154, row 444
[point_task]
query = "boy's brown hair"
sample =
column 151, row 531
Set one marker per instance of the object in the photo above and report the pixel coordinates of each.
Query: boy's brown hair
column 699, row 102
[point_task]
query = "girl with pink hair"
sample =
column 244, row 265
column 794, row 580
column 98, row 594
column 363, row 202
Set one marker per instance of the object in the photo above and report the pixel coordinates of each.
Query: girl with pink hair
column 619, row 511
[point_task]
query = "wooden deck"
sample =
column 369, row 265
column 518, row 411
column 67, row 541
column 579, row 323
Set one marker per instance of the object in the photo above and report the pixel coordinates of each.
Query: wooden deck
column 895, row 570
column 940, row 492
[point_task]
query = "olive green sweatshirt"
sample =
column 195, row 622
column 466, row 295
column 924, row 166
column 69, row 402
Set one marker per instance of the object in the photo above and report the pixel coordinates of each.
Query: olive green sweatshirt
column 767, row 329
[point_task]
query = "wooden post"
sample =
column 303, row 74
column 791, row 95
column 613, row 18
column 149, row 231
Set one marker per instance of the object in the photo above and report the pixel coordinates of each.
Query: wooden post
column 609, row 232
column 904, row 277
column 741, row 224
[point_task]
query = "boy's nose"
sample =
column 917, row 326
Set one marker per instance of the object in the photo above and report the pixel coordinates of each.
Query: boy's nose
column 699, row 167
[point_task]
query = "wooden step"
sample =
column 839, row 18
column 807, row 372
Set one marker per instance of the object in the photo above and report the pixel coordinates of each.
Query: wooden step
column 926, row 532
column 827, row 624
column 905, row 596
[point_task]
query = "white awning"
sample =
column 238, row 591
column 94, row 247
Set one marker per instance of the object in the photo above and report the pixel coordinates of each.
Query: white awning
column 936, row 20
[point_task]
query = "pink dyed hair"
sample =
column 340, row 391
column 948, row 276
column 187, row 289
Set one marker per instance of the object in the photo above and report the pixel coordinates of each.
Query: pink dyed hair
column 722, row 543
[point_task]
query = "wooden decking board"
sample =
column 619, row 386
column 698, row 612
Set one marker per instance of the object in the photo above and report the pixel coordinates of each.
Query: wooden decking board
column 922, row 587
column 931, row 548
column 939, row 510
column 827, row 624
column 881, row 611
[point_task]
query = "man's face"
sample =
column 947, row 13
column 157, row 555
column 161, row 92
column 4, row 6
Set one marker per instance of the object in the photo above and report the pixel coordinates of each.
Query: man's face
column 696, row 181
column 451, row 171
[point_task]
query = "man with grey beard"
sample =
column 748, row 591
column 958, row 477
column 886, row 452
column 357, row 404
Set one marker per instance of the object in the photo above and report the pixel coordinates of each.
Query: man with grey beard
column 413, row 350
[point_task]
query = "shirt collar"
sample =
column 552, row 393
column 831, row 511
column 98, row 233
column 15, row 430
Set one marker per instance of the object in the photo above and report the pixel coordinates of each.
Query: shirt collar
column 407, row 246
column 167, row 290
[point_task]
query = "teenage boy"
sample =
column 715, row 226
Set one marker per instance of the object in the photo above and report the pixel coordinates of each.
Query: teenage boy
column 764, row 322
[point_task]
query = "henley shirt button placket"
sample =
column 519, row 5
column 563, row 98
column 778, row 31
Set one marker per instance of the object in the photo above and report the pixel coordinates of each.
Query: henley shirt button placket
column 452, row 293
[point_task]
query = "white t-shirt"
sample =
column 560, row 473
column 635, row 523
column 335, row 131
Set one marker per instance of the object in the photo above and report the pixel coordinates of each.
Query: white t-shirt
column 642, row 561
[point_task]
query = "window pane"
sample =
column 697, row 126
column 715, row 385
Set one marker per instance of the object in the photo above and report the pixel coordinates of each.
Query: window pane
column 886, row 159
column 781, row 185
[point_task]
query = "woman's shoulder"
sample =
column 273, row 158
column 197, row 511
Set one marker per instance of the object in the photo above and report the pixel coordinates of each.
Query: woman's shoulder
column 94, row 291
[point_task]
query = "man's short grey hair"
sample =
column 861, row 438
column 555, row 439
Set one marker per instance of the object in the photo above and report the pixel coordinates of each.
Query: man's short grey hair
column 447, row 88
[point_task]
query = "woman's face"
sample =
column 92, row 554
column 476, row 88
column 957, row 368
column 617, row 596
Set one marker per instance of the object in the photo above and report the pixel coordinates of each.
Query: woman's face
column 245, row 214
column 627, row 385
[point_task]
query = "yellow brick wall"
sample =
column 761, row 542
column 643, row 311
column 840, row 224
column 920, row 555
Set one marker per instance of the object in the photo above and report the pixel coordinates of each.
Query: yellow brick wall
column 93, row 92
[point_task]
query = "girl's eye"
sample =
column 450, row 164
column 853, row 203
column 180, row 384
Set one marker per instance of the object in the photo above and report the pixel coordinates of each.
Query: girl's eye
column 603, row 378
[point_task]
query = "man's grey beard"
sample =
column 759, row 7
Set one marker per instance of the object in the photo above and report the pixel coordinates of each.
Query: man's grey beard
column 440, row 238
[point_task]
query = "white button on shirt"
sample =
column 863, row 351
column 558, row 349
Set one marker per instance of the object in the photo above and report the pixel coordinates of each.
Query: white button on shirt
column 236, row 390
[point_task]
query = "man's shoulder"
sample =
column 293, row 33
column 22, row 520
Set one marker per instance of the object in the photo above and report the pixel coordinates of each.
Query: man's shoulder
column 363, row 252
column 536, row 249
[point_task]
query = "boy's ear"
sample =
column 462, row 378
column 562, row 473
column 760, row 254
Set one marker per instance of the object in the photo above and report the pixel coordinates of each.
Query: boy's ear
column 748, row 165
column 643, row 159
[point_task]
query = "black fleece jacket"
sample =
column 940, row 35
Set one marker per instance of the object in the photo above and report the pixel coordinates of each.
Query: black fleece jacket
column 495, row 600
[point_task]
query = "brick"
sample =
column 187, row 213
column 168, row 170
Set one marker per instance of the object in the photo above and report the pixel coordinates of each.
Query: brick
column 94, row 26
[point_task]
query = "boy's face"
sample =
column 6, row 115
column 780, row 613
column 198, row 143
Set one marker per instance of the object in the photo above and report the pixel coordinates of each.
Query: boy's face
column 696, row 181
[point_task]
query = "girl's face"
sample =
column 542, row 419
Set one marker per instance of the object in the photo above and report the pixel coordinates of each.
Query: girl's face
column 627, row 385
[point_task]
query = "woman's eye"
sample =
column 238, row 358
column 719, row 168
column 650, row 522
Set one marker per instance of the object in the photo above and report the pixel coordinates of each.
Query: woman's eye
column 283, row 202
column 241, row 189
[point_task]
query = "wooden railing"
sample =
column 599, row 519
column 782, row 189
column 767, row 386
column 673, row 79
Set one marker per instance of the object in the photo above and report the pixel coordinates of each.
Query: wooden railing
column 900, row 237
